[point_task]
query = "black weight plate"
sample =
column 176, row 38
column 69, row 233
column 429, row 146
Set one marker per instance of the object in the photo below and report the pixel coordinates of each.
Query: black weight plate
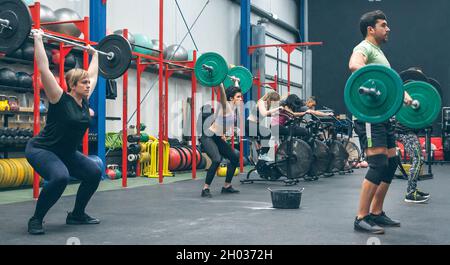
column 412, row 75
column 19, row 17
column 436, row 85
column 117, row 66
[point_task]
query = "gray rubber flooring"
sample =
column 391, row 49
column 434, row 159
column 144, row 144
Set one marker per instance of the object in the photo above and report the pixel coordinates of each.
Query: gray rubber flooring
column 176, row 214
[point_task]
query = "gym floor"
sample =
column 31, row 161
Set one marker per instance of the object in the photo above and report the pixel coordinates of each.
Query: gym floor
column 174, row 213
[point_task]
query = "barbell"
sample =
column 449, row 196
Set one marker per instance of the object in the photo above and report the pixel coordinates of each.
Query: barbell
column 375, row 93
column 15, row 28
column 211, row 70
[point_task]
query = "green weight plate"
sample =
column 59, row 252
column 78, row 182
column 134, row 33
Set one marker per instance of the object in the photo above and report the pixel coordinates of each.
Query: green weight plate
column 429, row 109
column 218, row 69
column 374, row 109
column 117, row 66
column 144, row 138
column 244, row 75
column 19, row 17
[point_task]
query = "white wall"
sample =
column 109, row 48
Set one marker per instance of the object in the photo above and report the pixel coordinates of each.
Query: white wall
column 217, row 29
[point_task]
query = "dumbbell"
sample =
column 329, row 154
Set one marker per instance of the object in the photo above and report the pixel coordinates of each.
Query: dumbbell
column 133, row 138
column 134, row 149
column 133, row 157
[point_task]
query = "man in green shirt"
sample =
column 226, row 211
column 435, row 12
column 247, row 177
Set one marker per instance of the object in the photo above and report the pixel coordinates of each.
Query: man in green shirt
column 378, row 140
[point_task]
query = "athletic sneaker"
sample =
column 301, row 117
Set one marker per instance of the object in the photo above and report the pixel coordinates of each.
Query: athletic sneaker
column 206, row 193
column 423, row 194
column 83, row 219
column 415, row 197
column 230, row 189
column 383, row 220
column 35, row 226
column 366, row 225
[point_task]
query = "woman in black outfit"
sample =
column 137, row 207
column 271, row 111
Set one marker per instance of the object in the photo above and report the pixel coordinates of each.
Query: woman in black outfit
column 53, row 152
column 213, row 139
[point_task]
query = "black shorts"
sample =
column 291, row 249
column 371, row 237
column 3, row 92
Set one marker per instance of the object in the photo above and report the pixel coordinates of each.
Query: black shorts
column 383, row 134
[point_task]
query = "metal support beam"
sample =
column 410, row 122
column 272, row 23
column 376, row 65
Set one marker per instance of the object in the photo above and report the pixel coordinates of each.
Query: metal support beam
column 97, row 15
column 245, row 61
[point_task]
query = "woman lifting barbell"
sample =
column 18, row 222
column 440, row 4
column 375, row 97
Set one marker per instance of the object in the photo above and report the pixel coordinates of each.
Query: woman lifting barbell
column 53, row 152
column 213, row 139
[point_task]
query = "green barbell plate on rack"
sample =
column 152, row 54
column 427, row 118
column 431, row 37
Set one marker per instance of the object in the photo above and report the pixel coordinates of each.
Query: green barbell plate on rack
column 211, row 69
column 429, row 106
column 244, row 75
column 18, row 30
column 374, row 108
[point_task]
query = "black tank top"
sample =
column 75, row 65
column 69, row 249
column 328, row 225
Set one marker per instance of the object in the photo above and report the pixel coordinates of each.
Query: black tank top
column 66, row 124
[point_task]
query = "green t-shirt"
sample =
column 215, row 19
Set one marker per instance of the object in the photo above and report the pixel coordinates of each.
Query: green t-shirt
column 372, row 52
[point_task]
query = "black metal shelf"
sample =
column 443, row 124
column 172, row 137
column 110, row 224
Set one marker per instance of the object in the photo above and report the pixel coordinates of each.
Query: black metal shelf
column 17, row 89
column 31, row 63
column 12, row 113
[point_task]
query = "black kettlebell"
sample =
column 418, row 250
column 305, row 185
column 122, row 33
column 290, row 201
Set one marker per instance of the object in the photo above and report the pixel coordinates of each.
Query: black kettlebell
column 24, row 80
column 22, row 140
column 9, row 140
column 70, row 61
column 28, row 51
column 29, row 133
column 134, row 149
column 8, row 77
column 3, row 140
column 7, row 131
column 17, row 54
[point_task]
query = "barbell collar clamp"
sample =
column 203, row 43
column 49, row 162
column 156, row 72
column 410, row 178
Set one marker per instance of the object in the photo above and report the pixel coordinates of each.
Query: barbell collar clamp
column 369, row 91
column 4, row 22
column 207, row 68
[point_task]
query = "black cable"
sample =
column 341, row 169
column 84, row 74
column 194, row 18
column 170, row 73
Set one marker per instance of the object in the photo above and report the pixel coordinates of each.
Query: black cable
column 185, row 23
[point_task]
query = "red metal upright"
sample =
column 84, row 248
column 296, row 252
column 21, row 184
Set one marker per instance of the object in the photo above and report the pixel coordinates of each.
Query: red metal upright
column 193, row 123
column 161, row 87
column 241, row 138
column 124, row 124
column 288, row 48
column 166, row 103
column 86, row 67
column 139, row 69
column 36, row 13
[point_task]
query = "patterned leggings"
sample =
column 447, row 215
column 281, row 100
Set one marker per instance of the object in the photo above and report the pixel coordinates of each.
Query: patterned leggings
column 412, row 148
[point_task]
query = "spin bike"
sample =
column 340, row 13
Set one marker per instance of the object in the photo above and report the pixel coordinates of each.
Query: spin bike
column 293, row 159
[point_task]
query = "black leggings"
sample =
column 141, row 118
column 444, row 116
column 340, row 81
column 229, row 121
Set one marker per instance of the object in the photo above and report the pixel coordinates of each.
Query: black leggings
column 215, row 147
column 57, row 169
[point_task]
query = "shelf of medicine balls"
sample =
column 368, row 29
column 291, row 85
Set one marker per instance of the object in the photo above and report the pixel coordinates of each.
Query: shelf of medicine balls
column 154, row 68
column 25, row 56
